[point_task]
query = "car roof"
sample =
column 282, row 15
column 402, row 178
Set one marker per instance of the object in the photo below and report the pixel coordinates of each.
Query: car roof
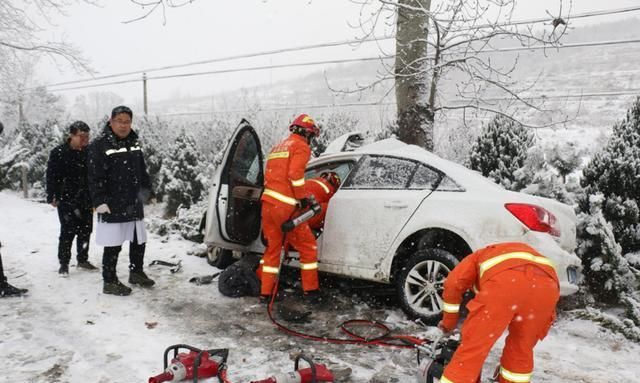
column 467, row 178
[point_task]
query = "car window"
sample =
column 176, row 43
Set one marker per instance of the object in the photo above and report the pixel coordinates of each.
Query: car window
column 341, row 168
column 245, row 159
column 447, row 184
column 425, row 178
column 377, row 172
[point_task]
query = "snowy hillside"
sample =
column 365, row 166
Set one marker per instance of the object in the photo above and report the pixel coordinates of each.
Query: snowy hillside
column 66, row 330
column 560, row 76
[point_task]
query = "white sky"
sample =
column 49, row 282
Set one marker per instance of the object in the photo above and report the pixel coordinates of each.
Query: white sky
column 209, row 29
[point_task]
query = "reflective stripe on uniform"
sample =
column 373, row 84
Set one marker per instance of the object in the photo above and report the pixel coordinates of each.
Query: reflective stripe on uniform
column 269, row 269
column 299, row 182
column 280, row 197
column 134, row 148
column 514, row 376
column 309, row 266
column 114, row 151
column 450, row 308
column 444, row 379
column 278, row 155
column 262, row 261
column 326, row 189
column 486, row 265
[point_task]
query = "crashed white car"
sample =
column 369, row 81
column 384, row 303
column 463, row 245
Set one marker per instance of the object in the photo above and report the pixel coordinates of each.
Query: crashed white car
column 402, row 216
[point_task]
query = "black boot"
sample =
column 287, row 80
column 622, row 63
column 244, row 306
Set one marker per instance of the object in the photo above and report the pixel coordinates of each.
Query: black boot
column 116, row 288
column 109, row 262
column 140, row 278
column 136, row 262
column 64, row 270
column 86, row 265
column 6, row 290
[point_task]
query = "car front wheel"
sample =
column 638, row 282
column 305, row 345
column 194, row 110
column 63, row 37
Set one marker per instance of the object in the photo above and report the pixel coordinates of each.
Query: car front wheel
column 219, row 257
column 420, row 283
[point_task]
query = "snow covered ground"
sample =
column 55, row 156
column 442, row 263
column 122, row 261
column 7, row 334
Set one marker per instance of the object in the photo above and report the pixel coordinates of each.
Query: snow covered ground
column 66, row 330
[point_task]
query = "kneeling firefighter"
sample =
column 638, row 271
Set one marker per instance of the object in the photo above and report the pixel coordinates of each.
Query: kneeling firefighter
column 284, row 193
column 516, row 288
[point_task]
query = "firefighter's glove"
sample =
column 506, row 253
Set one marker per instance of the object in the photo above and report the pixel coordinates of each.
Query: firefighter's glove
column 304, row 203
column 445, row 330
column 103, row 209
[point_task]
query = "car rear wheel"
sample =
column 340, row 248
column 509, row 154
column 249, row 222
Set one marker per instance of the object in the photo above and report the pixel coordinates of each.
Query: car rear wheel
column 219, row 257
column 420, row 283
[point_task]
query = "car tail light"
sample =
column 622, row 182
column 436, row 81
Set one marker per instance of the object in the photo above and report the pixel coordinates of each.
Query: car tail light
column 535, row 217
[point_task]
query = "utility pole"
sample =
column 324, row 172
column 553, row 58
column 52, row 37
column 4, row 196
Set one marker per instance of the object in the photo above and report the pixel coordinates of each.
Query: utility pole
column 144, row 93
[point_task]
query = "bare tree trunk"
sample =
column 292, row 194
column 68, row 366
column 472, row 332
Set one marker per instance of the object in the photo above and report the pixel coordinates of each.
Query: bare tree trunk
column 415, row 115
column 25, row 184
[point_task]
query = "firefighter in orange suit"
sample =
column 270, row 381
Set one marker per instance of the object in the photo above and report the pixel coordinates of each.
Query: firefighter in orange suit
column 322, row 188
column 517, row 289
column 284, row 192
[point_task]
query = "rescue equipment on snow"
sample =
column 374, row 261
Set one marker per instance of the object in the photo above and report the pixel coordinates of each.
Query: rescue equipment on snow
column 438, row 355
column 174, row 267
column 195, row 364
column 201, row 364
column 313, row 373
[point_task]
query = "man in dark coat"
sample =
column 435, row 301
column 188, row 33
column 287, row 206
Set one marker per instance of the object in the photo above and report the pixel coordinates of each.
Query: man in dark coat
column 119, row 185
column 68, row 190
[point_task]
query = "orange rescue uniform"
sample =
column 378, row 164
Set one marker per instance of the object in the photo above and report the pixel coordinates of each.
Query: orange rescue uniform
column 284, row 185
column 322, row 190
column 516, row 288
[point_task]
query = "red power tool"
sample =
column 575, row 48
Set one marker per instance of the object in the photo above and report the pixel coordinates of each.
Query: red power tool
column 313, row 374
column 194, row 365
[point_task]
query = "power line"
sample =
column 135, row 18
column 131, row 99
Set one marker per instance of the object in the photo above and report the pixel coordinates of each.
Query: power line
column 328, row 45
column 368, row 104
column 341, row 61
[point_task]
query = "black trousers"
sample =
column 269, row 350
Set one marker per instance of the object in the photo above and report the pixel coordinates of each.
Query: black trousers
column 75, row 222
column 110, row 259
column 3, row 279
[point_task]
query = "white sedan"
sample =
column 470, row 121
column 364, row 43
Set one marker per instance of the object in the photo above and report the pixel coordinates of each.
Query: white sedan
column 402, row 216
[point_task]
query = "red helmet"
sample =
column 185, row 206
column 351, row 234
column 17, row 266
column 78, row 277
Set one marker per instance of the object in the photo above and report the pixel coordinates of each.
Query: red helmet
column 332, row 177
column 307, row 124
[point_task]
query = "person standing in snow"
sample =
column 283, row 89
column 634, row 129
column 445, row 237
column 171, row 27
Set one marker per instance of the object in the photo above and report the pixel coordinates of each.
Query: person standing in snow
column 284, row 193
column 517, row 289
column 68, row 191
column 120, row 185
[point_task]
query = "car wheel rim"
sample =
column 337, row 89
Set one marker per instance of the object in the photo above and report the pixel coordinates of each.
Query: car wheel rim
column 213, row 254
column 424, row 285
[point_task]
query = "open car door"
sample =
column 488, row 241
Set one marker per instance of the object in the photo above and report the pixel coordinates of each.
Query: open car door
column 233, row 215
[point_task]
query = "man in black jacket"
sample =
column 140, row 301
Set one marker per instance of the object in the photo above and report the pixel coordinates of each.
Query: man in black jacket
column 68, row 190
column 119, row 185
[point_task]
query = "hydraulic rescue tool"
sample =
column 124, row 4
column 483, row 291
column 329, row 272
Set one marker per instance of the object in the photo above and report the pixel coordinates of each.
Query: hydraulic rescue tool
column 200, row 364
column 195, row 364
column 312, row 374
column 439, row 354
column 314, row 209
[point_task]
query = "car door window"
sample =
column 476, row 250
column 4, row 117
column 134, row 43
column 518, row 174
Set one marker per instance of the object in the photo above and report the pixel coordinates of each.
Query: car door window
column 425, row 178
column 246, row 161
column 341, row 168
column 447, row 184
column 379, row 172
